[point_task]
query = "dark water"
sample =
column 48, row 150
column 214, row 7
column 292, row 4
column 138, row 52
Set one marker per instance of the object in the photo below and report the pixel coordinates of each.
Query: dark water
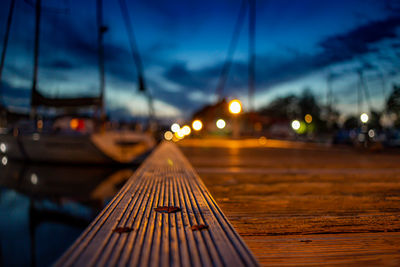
column 44, row 208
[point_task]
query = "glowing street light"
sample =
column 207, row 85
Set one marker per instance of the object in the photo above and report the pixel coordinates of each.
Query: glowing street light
column 186, row 130
column 4, row 160
column 175, row 127
column 197, row 125
column 220, row 124
column 364, row 118
column 168, row 135
column 3, row 148
column 34, row 178
column 308, row 118
column 235, row 107
column 296, row 125
column 179, row 134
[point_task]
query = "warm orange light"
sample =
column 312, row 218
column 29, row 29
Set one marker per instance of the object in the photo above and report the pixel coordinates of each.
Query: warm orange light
column 308, row 118
column 39, row 124
column 179, row 134
column 168, row 135
column 74, row 124
column 262, row 140
column 197, row 125
column 235, row 107
column 186, row 130
column 220, row 124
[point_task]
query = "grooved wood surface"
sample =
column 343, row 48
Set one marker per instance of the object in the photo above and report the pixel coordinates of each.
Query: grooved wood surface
column 151, row 238
column 295, row 206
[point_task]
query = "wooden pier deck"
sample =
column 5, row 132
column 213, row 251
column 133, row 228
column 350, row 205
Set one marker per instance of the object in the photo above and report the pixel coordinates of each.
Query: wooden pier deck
column 299, row 204
column 163, row 216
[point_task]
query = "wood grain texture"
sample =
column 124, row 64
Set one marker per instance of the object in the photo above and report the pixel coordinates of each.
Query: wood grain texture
column 313, row 206
column 145, row 237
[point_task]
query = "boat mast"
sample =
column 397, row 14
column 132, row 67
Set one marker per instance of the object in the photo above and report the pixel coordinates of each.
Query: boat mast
column 3, row 116
column 5, row 42
column 136, row 58
column 252, row 47
column 101, row 30
column 36, row 56
column 231, row 50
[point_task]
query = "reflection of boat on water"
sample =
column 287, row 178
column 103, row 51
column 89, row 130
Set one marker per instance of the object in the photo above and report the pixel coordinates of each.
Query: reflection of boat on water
column 40, row 202
column 59, row 181
column 74, row 138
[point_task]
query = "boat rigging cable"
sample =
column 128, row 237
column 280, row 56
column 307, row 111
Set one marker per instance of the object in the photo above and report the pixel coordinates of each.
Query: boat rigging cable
column 101, row 30
column 251, row 56
column 37, row 99
column 136, row 56
column 36, row 56
column 5, row 44
column 231, row 50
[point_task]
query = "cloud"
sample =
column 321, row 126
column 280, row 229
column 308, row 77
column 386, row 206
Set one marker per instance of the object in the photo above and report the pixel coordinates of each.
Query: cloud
column 271, row 70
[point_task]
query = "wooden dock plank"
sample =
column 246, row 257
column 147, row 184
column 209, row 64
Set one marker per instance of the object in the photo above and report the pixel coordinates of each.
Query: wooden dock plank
column 160, row 239
column 296, row 206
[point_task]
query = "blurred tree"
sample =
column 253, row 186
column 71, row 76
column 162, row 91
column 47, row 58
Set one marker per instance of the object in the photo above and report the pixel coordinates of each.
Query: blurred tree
column 351, row 123
column 297, row 107
column 393, row 104
column 308, row 105
column 283, row 107
column 374, row 120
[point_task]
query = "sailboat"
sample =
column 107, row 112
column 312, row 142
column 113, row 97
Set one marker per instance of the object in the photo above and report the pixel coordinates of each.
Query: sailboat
column 73, row 139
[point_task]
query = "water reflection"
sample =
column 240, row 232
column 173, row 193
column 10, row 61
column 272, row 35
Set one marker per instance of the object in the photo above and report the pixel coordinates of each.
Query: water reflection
column 44, row 208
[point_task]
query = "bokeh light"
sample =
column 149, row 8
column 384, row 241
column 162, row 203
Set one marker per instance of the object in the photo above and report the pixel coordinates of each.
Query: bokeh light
column 371, row 133
column 295, row 125
column 197, row 125
column 179, row 134
column 262, row 140
column 168, row 135
column 186, row 130
column 364, row 118
column 3, row 148
column 34, row 178
column 4, row 160
column 308, row 118
column 74, row 124
column 221, row 124
column 235, row 107
column 175, row 127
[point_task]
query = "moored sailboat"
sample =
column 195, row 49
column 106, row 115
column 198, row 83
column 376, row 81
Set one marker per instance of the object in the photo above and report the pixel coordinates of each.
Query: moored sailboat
column 73, row 138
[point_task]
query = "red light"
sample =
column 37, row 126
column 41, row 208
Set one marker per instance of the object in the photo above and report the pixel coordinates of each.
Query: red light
column 77, row 124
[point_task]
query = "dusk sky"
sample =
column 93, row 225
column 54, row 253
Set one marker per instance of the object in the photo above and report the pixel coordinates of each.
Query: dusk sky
column 184, row 43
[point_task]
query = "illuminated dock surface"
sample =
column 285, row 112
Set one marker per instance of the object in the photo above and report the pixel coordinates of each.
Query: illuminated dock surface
column 163, row 216
column 299, row 204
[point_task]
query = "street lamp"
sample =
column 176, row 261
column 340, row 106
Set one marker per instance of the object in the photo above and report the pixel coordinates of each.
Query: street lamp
column 308, row 118
column 197, row 125
column 296, row 125
column 235, row 107
column 168, row 135
column 220, row 124
column 364, row 118
column 186, row 130
column 3, row 148
column 175, row 127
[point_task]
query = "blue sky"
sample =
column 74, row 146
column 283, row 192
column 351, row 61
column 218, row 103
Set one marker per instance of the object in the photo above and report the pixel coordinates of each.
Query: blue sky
column 184, row 44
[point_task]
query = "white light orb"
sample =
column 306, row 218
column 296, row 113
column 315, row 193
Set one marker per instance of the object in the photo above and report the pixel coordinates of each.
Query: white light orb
column 221, row 124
